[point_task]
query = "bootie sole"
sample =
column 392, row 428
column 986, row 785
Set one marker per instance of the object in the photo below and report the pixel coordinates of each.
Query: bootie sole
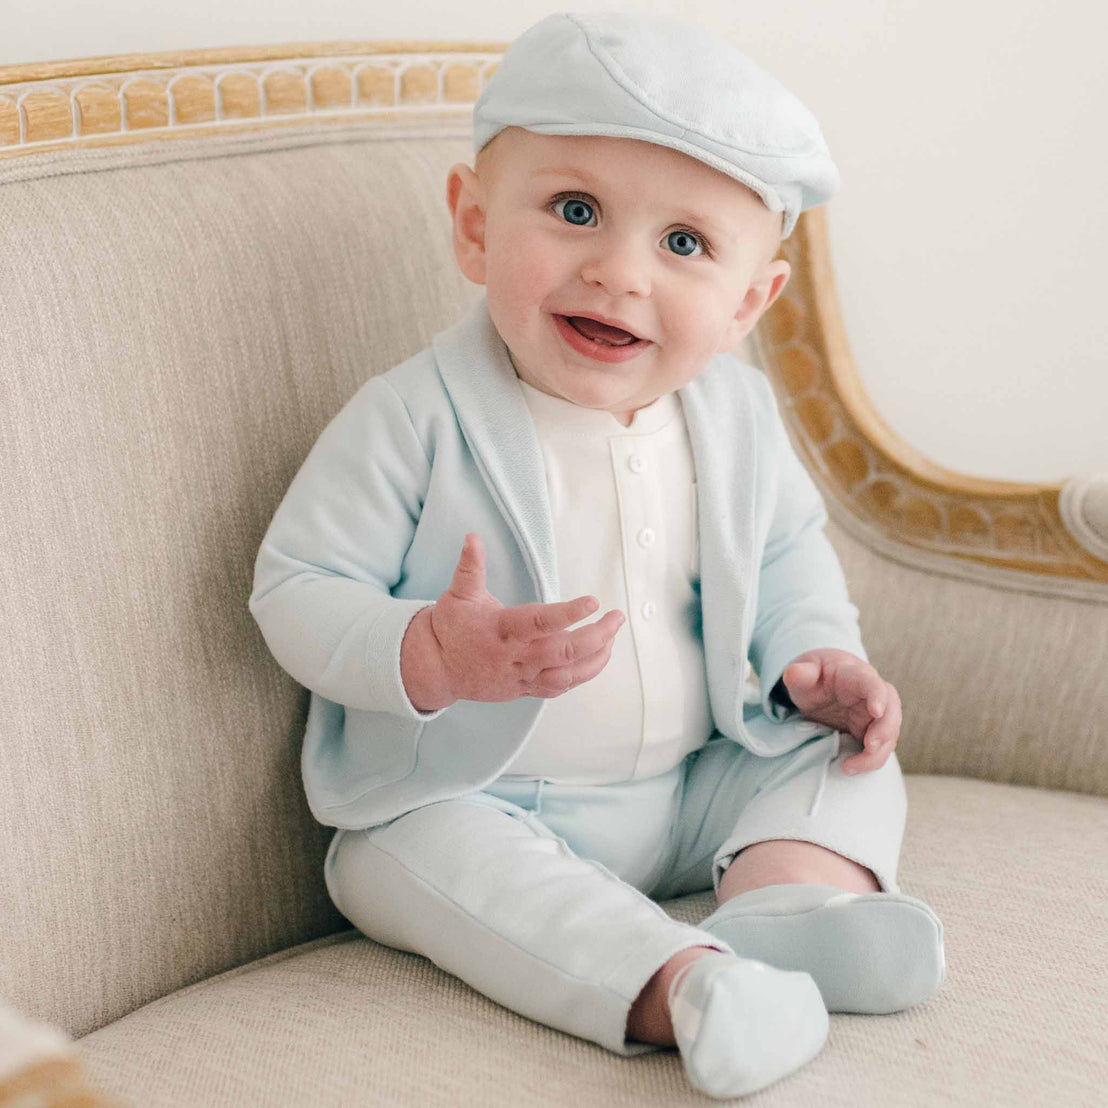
column 871, row 953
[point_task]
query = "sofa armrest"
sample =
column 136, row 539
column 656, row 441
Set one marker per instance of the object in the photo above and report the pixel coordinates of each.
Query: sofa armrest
column 985, row 602
column 999, row 680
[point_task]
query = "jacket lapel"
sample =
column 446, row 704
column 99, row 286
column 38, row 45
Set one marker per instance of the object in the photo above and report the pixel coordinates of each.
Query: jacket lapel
column 722, row 434
column 497, row 426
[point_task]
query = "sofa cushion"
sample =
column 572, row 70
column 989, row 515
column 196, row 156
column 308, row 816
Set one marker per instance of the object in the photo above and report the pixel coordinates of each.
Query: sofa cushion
column 1018, row 875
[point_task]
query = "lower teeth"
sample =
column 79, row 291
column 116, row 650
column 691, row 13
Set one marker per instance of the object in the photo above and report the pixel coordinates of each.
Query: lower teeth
column 604, row 342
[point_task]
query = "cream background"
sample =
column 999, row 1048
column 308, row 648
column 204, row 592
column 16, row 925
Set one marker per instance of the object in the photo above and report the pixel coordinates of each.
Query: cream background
column 971, row 229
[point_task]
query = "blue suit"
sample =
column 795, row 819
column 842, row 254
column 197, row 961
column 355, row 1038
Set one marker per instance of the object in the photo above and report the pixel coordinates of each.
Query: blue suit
column 371, row 527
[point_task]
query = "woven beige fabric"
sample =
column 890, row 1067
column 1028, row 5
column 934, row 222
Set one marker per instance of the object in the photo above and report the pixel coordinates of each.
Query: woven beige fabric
column 996, row 684
column 176, row 334
column 1017, row 875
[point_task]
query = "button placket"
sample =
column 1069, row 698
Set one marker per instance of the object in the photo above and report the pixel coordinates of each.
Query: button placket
column 650, row 556
column 634, row 509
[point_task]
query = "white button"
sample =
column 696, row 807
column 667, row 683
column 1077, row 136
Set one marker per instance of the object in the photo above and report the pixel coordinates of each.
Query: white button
column 637, row 463
column 646, row 537
column 648, row 609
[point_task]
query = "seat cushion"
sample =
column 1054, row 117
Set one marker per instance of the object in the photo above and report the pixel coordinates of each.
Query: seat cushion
column 1018, row 875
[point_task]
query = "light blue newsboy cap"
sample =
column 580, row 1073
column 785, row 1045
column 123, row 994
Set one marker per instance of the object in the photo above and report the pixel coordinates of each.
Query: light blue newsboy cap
column 662, row 80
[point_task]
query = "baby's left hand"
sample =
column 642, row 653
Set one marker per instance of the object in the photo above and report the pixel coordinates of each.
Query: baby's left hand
column 838, row 688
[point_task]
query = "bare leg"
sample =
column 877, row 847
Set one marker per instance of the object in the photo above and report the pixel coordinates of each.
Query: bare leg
column 648, row 1021
column 790, row 861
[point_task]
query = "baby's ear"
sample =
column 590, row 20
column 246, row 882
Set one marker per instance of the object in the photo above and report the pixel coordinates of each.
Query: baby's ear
column 764, row 289
column 465, row 199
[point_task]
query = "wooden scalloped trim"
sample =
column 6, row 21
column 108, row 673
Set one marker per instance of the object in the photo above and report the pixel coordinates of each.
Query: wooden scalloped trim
column 232, row 55
column 886, row 484
column 135, row 98
column 883, row 481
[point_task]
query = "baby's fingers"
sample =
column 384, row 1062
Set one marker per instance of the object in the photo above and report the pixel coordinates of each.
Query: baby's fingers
column 526, row 622
column 566, row 647
column 880, row 738
column 560, row 679
column 854, row 682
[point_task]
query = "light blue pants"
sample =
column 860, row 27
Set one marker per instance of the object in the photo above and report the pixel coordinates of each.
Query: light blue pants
column 542, row 896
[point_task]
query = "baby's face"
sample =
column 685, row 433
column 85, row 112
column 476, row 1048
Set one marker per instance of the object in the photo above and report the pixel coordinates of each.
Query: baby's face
column 630, row 233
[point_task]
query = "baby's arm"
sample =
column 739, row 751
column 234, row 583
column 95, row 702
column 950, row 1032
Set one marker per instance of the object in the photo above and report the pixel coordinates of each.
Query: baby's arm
column 806, row 634
column 468, row 646
column 334, row 550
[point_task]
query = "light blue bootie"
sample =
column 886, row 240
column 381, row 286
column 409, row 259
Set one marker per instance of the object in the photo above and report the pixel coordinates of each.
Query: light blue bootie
column 870, row 952
column 741, row 1025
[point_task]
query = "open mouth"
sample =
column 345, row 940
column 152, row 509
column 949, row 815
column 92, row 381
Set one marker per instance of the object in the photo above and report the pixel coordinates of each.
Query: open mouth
column 600, row 342
column 599, row 332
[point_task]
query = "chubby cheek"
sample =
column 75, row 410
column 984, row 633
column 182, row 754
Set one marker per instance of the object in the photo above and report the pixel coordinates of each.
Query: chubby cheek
column 521, row 274
column 696, row 331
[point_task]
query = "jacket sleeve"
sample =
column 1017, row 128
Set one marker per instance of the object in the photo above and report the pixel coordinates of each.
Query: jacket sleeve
column 802, row 600
column 335, row 548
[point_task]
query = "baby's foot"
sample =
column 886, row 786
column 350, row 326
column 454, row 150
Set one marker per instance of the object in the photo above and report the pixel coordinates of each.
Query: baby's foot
column 874, row 952
column 741, row 1025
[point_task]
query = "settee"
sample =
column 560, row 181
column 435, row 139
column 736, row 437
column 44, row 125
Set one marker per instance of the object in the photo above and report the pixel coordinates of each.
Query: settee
column 202, row 256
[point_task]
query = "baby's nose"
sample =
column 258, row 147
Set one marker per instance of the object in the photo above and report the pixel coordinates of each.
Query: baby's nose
column 619, row 268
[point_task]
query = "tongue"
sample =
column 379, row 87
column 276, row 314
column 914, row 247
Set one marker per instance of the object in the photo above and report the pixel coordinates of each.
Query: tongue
column 601, row 332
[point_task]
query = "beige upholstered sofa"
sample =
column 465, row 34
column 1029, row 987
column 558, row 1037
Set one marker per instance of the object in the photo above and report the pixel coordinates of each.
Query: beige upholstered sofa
column 202, row 256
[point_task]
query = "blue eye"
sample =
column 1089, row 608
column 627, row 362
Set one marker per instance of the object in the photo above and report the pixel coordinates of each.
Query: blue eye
column 580, row 213
column 576, row 211
column 682, row 243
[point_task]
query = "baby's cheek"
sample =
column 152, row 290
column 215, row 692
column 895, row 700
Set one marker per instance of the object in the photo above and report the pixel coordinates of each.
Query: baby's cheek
column 692, row 342
column 701, row 318
column 515, row 254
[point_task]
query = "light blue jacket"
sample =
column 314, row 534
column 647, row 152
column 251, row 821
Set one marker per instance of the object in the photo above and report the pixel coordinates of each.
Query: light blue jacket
column 371, row 527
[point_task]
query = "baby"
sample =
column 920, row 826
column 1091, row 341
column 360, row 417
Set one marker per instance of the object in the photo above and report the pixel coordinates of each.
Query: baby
column 514, row 785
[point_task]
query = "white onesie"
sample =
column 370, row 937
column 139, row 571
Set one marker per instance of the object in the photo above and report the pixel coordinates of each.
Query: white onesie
column 623, row 501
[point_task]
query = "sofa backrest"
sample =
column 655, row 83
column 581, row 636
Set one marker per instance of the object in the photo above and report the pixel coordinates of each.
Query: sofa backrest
column 179, row 321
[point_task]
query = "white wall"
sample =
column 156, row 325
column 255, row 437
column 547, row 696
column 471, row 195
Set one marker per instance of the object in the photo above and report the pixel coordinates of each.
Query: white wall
column 971, row 231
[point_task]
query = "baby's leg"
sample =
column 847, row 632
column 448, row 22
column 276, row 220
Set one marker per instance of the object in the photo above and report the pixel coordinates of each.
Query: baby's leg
column 792, row 861
column 794, row 891
column 488, row 893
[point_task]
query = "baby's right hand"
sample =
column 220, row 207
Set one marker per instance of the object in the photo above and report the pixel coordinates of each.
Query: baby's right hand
column 470, row 647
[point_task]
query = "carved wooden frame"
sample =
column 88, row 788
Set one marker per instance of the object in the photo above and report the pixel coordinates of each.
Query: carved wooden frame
column 888, row 486
column 888, row 489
